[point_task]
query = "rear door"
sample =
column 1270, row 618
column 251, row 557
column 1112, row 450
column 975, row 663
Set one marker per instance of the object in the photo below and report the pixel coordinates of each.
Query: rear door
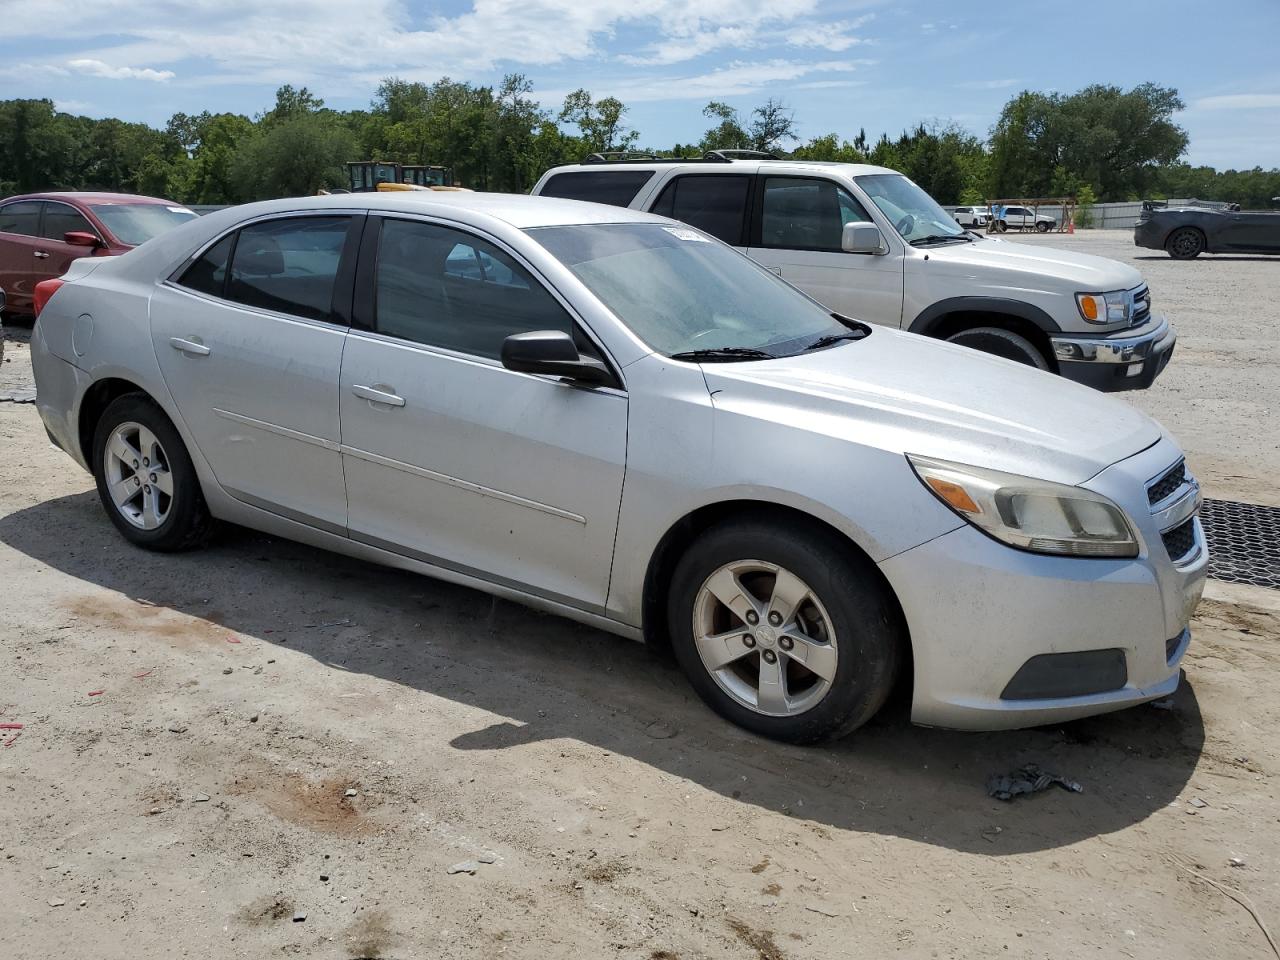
column 449, row 456
column 59, row 220
column 716, row 203
column 249, row 337
column 21, row 256
column 796, row 231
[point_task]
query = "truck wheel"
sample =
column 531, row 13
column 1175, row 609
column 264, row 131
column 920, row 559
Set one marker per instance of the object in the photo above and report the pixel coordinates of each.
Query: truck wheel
column 145, row 477
column 1001, row 343
column 784, row 630
column 1185, row 244
column 1001, row 226
column 1042, row 227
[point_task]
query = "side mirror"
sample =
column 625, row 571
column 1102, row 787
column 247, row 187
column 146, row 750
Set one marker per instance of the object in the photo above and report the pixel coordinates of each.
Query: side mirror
column 862, row 238
column 552, row 352
column 78, row 238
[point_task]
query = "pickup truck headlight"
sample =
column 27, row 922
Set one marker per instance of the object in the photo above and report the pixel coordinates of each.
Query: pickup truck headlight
column 1036, row 515
column 1112, row 307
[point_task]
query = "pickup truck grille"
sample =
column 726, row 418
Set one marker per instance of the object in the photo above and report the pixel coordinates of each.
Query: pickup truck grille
column 1141, row 305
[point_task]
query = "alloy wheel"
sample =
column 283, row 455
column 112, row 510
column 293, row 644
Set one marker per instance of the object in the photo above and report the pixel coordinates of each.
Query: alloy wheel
column 138, row 477
column 765, row 638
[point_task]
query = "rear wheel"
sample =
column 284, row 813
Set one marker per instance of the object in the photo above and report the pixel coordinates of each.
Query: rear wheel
column 1185, row 244
column 145, row 477
column 783, row 630
column 1001, row 343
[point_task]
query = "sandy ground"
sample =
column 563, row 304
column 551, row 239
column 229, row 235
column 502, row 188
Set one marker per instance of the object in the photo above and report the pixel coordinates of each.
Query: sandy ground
column 193, row 726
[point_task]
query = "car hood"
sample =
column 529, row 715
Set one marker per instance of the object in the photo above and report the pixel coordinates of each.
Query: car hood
column 909, row 394
column 1081, row 271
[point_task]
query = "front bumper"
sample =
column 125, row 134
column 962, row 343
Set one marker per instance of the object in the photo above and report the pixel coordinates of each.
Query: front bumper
column 1127, row 360
column 979, row 612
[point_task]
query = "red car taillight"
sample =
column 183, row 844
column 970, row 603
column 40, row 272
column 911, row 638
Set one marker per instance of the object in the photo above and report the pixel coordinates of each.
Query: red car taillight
column 44, row 290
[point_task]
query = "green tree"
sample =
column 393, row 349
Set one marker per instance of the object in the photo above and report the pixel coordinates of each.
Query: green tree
column 600, row 122
column 291, row 158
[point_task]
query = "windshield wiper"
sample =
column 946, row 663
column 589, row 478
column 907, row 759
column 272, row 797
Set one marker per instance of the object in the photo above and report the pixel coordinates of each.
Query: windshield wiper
column 724, row 353
column 832, row 338
column 940, row 238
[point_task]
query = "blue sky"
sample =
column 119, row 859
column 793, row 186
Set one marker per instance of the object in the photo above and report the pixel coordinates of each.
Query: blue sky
column 840, row 64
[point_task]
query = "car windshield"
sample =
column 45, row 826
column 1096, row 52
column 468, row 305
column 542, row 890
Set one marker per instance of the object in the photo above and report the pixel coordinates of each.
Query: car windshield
column 136, row 223
column 682, row 292
column 913, row 213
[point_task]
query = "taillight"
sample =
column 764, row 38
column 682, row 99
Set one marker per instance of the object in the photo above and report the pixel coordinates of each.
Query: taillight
column 44, row 290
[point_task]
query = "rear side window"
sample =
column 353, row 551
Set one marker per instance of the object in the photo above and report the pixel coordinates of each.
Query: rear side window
column 445, row 288
column 59, row 218
column 714, row 203
column 208, row 274
column 289, row 266
column 615, row 187
column 22, row 218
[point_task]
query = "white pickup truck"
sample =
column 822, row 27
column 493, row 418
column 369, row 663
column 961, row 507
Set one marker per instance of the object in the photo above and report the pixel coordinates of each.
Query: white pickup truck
column 870, row 244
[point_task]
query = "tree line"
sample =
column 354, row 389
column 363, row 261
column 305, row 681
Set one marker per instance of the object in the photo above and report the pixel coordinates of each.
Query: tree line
column 1101, row 143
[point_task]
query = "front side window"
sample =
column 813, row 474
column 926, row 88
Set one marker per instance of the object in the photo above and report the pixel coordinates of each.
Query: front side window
column 614, row 187
column 806, row 214
column 914, row 214
column 679, row 291
column 445, row 288
column 136, row 223
column 61, row 219
column 716, row 204
column 21, row 217
column 289, row 266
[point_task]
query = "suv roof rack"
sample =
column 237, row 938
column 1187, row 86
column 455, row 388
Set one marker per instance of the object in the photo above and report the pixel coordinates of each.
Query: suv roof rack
column 711, row 156
column 724, row 155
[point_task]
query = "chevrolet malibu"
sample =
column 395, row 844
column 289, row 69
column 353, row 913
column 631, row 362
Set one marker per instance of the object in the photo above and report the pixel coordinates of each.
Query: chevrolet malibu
column 614, row 417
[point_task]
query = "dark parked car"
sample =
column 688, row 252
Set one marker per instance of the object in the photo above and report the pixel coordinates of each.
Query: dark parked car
column 1188, row 229
column 41, row 233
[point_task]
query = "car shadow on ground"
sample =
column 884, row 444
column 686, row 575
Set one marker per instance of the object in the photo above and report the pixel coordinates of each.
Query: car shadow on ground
column 548, row 678
column 1215, row 258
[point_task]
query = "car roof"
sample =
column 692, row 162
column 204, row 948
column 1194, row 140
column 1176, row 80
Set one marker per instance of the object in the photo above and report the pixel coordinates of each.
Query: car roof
column 89, row 196
column 727, row 166
column 515, row 209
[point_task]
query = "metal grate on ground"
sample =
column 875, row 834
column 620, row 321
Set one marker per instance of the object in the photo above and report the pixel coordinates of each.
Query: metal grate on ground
column 1244, row 542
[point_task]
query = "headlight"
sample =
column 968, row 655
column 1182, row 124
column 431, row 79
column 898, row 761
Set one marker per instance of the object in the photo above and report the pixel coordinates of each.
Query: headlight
column 1110, row 307
column 1035, row 515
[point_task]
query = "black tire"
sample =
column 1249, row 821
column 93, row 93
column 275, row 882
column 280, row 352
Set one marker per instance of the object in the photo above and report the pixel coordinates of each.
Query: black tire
column 866, row 620
column 1001, row 343
column 187, row 523
column 1001, row 226
column 1185, row 243
column 1042, row 227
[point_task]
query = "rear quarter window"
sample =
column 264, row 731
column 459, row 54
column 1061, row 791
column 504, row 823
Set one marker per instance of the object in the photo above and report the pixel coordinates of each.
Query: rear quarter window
column 614, row 187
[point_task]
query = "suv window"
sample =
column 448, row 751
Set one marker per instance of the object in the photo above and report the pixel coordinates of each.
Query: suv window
column 60, row 218
column 22, row 218
column 806, row 214
column 615, row 187
column 715, row 203
column 288, row 265
column 445, row 288
column 209, row 273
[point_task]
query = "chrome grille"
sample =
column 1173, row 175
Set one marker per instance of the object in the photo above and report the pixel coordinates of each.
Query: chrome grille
column 1141, row 305
column 1175, row 477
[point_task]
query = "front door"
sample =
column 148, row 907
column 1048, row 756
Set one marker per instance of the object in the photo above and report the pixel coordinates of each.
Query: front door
column 1251, row 230
column 252, row 351
column 796, row 233
column 457, row 461
column 59, row 220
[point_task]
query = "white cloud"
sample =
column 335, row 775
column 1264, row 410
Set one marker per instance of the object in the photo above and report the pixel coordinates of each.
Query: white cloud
column 732, row 80
column 97, row 68
column 989, row 84
column 1239, row 101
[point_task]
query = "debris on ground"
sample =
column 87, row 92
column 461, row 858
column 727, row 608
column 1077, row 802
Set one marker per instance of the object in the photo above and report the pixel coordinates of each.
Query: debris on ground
column 488, row 857
column 351, row 792
column 1025, row 780
column 56, row 902
column 299, row 917
column 1197, row 803
column 1165, row 704
column 990, row 833
column 200, row 798
column 466, row 866
column 660, row 730
column 20, row 395
column 1236, row 861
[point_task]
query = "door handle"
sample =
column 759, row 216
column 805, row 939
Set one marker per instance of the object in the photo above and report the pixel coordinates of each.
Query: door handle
column 191, row 347
column 377, row 396
column 40, row 255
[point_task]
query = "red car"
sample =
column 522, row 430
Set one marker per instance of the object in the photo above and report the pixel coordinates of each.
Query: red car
column 41, row 233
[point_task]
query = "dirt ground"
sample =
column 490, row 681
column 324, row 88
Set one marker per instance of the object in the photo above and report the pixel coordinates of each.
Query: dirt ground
column 261, row 750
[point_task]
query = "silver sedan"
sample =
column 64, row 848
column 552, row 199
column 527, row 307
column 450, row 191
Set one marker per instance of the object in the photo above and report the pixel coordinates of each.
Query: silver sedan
column 616, row 418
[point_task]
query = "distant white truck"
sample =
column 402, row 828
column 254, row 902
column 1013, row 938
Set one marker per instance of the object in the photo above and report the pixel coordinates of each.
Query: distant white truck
column 975, row 218
column 1023, row 218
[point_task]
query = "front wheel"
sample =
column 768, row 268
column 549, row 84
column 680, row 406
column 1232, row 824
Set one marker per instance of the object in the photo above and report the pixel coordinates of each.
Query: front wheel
column 1001, row 343
column 1185, row 244
column 783, row 630
column 1042, row 227
column 1001, row 226
column 146, row 481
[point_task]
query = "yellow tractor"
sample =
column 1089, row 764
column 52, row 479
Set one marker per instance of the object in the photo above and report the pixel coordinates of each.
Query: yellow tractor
column 366, row 176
